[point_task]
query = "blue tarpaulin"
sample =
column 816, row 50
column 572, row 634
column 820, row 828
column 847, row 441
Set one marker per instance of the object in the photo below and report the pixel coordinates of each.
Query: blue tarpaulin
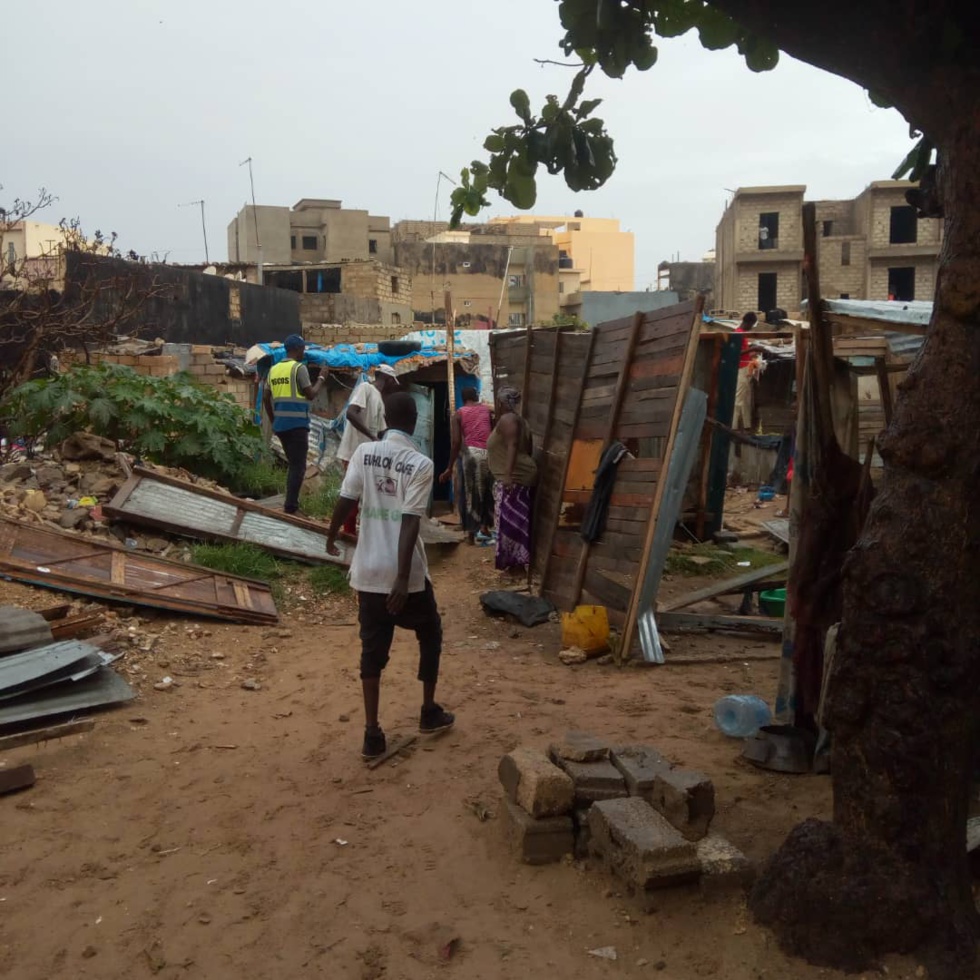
column 362, row 356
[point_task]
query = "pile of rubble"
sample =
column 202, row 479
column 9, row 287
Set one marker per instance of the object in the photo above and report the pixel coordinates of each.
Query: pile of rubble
column 641, row 818
column 65, row 489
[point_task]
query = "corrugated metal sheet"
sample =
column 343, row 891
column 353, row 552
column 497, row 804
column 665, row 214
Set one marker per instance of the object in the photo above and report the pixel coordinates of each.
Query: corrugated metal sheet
column 197, row 512
column 22, row 628
column 21, row 670
column 914, row 312
column 103, row 688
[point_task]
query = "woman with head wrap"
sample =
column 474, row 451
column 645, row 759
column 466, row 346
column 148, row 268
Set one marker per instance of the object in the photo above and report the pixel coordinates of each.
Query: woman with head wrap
column 509, row 451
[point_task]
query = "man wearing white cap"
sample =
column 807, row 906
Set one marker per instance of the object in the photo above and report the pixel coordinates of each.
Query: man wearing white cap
column 366, row 420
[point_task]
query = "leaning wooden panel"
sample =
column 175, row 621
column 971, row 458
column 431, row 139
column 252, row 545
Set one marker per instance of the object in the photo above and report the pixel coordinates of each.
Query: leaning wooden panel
column 73, row 563
column 193, row 511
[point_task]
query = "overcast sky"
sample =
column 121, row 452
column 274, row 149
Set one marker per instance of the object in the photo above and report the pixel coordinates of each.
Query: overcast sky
column 127, row 108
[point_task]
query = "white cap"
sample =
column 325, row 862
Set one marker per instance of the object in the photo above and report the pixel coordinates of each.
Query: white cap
column 389, row 370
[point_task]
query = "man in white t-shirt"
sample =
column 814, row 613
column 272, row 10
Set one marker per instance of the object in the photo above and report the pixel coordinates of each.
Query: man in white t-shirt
column 393, row 481
column 365, row 421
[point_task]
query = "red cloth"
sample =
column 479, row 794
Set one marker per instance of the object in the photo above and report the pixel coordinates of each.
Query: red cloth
column 746, row 359
column 474, row 421
column 789, row 470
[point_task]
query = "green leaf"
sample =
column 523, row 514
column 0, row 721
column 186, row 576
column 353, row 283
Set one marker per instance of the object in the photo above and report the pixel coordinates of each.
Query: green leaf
column 522, row 104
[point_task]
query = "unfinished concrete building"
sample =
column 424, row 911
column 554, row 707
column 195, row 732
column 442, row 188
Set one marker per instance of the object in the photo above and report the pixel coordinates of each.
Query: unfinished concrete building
column 871, row 247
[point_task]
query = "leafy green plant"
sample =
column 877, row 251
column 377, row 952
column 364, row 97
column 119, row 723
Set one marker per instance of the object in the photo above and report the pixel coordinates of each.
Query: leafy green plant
column 173, row 421
column 321, row 500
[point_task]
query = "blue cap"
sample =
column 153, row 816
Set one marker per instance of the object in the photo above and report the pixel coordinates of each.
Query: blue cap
column 293, row 341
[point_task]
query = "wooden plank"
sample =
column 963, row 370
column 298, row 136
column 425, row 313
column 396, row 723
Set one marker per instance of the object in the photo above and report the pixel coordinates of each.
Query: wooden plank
column 735, row 584
column 687, row 371
column 822, row 349
column 885, row 388
column 12, row 780
column 706, row 436
column 46, row 734
column 671, row 621
column 868, row 325
column 117, row 574
column 397, row 745
column 553, row 529
column 613, row 421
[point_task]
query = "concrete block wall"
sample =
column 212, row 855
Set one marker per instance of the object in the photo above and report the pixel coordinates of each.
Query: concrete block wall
column 836, row 278
column 328, row 334
column 202, row 367
column 790, row 208
column 788, row 286
column 925, row 277
column 928, row 232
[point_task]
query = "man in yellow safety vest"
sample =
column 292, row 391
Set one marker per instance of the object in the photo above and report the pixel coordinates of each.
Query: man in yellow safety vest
column 287, row 398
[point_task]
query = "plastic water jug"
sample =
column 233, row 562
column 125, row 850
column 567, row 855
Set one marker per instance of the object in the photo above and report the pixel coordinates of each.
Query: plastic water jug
column 741, row 715
column 586, row 627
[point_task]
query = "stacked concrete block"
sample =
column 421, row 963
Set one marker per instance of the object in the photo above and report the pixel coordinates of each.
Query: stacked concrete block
column 538, row 807
column 586, row 760
column 723, row 866
column 640, row 847
column 685, row 797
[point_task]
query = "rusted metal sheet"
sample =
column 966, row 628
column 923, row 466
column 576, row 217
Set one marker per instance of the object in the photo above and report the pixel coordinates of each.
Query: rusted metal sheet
column 191, row 511
column 73, row 563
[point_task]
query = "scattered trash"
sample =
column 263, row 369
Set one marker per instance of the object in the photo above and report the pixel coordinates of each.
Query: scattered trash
column 340, row 842
column 744, row 564
column 526, row 609
column 741, row 715
column 448, row 948
column 164, row 685
column 604, row 953
column 480, row 811
column 251, row 685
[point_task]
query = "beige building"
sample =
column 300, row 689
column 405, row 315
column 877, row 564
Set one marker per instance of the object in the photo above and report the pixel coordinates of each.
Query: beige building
column 497, row 268
column 30, row 255
column 872, row 247
column 314, row 230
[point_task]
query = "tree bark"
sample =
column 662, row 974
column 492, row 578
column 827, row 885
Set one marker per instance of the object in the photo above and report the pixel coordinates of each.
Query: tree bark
column 890, row 874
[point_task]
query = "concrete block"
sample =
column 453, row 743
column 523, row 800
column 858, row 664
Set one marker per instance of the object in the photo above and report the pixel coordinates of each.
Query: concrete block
column 687, row 799
column 639, row 765
column 723, row 866
column 534, row 783
column 580, row 747
column 583, row 833
column 594, row 781
column 541, row 841
column 639, row 846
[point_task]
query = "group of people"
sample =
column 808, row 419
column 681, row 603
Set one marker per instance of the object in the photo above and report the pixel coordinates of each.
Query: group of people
column 387, row 485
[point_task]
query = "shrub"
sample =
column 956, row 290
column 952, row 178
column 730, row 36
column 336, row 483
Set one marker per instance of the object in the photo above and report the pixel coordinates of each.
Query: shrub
column 173, row 421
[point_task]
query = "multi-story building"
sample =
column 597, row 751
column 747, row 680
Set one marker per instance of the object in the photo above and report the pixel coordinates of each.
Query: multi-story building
column 499, row 273
column 314, row 230
column 31, row 255
column 872, row 247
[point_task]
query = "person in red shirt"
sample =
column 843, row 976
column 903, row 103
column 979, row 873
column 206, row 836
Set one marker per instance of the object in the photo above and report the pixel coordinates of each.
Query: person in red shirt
column 471, row 427
column 747, row 370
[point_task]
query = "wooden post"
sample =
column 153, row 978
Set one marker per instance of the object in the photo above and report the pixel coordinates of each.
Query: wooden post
column 564, row 473
column 885, row 387
column 622, row 383
column 821, row 341
column 450, row 351
column 544, row 449
column 707, row 437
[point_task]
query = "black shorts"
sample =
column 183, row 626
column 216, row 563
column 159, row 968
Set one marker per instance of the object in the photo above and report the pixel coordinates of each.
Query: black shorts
column 419, row 614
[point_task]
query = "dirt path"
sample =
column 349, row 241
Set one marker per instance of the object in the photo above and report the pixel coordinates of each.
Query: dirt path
column 195, row 833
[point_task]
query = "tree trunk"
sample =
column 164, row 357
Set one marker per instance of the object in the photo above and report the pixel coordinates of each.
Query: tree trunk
column 890, row 874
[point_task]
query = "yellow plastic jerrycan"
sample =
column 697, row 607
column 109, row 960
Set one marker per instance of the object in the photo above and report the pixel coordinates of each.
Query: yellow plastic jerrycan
column 586, row 627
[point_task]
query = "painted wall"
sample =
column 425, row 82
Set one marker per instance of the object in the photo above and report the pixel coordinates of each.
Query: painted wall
column 600, row 307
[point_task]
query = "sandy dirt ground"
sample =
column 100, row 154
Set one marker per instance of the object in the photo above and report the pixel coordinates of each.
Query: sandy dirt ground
column 215, row 832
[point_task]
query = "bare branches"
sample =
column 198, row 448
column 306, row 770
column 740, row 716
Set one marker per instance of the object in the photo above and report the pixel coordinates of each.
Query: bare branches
column 61, row 290
column 560, row 64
